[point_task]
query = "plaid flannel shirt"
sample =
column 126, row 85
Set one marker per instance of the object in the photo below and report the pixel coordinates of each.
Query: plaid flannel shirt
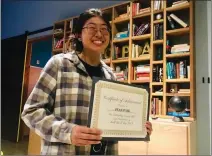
column 59, row 101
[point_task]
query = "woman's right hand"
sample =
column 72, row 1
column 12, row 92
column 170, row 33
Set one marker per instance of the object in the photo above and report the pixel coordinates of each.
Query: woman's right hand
column 82, row 136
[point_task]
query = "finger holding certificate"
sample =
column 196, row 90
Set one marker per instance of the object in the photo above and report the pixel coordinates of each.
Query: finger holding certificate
column 119, row 110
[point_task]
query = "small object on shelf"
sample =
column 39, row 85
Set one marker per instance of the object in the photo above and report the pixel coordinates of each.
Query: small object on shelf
column 146, row 48
column 125, row 51
column 178, row 104
column 158, row 16
column 168, row 47
column 173, row 88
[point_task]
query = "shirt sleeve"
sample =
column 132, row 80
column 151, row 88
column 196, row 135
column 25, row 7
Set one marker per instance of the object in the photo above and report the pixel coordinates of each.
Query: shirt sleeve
column 36, row 113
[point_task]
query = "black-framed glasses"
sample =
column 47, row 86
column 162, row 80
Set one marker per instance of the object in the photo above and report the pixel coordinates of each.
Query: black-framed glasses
column 93, row 30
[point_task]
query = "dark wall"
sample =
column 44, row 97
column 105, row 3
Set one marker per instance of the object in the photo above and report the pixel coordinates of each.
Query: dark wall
column 13, row 54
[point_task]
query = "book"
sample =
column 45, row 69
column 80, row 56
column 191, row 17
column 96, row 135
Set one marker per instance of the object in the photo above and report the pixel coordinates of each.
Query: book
column 178, row 20
column 171, row 23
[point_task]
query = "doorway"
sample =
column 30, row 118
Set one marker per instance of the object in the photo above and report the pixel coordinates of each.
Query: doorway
column 39, row 51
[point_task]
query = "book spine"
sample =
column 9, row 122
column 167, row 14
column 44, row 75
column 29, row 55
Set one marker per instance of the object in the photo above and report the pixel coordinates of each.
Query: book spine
column 181, row 69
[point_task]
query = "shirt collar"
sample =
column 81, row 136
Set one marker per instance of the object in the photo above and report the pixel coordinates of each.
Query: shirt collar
column 72, row 56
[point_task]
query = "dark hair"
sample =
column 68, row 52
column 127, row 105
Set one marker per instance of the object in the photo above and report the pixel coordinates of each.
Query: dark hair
column 82, row 20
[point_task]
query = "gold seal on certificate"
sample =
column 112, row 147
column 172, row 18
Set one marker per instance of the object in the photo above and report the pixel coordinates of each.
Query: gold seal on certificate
column 119, row 110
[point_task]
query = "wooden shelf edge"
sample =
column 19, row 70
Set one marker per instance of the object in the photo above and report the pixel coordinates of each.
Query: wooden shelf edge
column 178, row 7
column 115, row 21
column 157, row 94
column 141, row 37
column 142, row 15
column 158, row 11
column 120, row 60
column 121, row 40
column 157, row 83
column 178, row 55
column 158, row 21
column 141, row 58
column 178, row 31
column 158, row 42
column 139, row 81
column 177, row 80
column 157, row 62
column 188, row 119
column 177, row 94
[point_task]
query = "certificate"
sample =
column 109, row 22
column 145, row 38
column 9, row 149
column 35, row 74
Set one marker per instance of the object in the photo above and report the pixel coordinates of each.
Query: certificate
column 120, row 110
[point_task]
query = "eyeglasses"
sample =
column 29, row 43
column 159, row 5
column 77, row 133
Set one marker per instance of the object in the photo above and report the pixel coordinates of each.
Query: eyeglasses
column 93, row 30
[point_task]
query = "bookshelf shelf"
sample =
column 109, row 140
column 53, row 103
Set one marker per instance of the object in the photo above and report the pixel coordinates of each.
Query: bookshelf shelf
column 177, row 80
column 141, row 37
column 178, row 7
column 142, row 15
column 157, row 62
column 139, row 81
column 158, row 11
column 138, row 59
column 158, row 21
column 122, row 17
column 157, row 94
column 186, row 54
column 177, row 32
column 121, row 40
column 177, row 94
column 157, row 83
column 125, row 60
column 158, row 42
column 115, row 21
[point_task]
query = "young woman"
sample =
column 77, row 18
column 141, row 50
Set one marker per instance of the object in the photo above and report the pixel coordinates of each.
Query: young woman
column 57, row 108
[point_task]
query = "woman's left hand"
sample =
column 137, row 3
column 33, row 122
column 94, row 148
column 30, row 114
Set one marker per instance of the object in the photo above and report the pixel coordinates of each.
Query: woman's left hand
column 149, row 127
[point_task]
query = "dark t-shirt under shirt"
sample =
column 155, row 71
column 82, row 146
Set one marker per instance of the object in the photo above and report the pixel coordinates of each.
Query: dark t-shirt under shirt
column 97, row 72
column 92, row 70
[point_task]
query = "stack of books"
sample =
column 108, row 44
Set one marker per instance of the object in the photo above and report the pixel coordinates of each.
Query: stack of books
column 184, row 91
column 142, row 72
column 177, row 3
column 180, row 48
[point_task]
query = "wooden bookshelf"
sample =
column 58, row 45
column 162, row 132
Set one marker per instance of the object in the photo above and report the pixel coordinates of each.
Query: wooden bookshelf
column 178, row 35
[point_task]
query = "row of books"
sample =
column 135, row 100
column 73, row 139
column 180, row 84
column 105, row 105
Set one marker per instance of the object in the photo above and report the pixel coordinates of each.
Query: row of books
column 158, row 31
column 58, row 43
column 178, row 3
column 142, row 72
column 158, row 4
column 174, row 21
column 140, row 30
column 178, row 70
column 157, row 73
column 180, row 48
column 137, row 9
column 156, row 108
column 121, row 76
column 136, row 50
column 184, row 91
column 120, row 51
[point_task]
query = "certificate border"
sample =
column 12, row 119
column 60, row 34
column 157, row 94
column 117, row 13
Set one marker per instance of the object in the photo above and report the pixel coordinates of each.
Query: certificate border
column 95, row 80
